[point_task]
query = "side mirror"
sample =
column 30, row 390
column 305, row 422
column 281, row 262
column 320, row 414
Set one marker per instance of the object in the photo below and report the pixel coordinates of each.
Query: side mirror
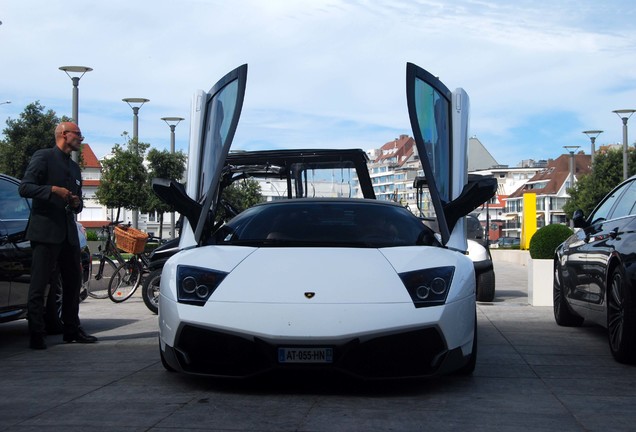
column 579, row 220
column 477, row 191
column 173, row 193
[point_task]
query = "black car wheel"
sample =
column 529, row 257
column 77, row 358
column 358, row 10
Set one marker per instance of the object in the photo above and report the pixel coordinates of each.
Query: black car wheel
column 87, row 268
column 53, row 311
column 621, row 318
column 150, row 290
column 486, row 286
column 562, row 313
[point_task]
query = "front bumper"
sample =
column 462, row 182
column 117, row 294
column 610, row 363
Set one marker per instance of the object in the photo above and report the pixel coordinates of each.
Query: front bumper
column 416, row 353
column 407, row 342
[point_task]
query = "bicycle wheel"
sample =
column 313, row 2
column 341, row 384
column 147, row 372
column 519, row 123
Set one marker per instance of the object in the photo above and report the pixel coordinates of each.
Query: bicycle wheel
column 101, row 274
column 125, row 281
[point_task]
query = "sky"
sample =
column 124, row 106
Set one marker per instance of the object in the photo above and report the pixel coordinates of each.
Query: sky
column 328, row 73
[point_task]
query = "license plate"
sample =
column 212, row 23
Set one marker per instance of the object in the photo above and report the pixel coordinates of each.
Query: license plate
column 305, row 355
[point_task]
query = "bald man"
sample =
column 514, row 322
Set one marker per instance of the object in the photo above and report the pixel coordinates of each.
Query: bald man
column 53, row 181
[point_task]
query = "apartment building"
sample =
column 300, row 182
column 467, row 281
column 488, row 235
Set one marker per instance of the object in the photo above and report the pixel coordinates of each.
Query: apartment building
column 509, row 179
column 550, row 185
column 94, row 214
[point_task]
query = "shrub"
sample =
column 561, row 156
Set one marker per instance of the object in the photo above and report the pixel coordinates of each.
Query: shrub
column 545, row 241
column 91, row 235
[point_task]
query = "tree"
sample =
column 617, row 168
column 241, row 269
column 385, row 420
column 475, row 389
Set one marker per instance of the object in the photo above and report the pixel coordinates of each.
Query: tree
column 34, row 130
column 240, row 195
column 124, row 177
column 607, row 172
column 162, row 164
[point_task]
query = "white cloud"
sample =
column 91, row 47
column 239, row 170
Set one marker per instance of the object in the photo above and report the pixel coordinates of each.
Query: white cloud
column 328, row 73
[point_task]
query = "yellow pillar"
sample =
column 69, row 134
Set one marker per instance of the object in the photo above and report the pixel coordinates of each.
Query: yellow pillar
column 529, row 219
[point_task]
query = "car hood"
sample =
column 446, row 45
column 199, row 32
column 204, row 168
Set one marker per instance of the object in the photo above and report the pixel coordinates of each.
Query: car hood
column 320, row 275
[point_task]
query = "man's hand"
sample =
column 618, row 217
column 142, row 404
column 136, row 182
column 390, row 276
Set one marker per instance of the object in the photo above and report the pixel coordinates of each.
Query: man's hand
column 72, row 200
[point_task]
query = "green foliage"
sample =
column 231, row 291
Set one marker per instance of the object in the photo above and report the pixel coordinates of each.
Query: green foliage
column 545, row 241
column 34, row 130
column 124, row 177
column 607, row 172
column 166, row 165
column 91, row 235
column 149, row 247
column 242, row 195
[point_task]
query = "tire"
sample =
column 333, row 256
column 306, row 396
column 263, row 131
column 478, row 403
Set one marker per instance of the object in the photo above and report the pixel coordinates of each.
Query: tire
column 486, row 286
column 98, row 283
column 621, row 318
column 53, row 309
column 125, row 281
column 150, row 290
column 87, row 270
column 562, row 313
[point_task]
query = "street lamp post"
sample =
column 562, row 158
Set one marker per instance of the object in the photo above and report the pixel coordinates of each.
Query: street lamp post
column 571, row 149
column 135, row 104
column 5, row 102
column 75, row 73
column 172, row 122
column 624, row 114
column 592, row 134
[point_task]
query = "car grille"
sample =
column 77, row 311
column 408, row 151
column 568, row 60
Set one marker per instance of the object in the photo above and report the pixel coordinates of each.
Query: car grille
column 414, row 353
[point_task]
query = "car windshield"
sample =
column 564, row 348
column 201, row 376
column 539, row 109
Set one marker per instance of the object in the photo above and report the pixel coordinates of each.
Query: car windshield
column 336, row 222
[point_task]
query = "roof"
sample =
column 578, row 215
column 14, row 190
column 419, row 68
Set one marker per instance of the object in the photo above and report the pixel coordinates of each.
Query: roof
column 479, row 158
column 555, row 175
column 90, row 160
column 397, row 151
column 94, row 224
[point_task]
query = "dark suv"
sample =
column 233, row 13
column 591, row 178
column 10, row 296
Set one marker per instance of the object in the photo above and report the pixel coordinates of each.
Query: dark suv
column 15, row 260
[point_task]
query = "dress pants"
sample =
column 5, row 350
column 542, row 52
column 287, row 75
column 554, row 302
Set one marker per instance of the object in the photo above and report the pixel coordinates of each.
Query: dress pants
column 45, row 258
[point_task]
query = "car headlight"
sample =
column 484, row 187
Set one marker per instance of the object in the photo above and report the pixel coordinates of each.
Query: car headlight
column 428, row 287
column 195, row 285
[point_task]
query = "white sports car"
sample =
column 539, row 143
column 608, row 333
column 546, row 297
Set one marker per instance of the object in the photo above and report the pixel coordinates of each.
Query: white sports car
column 353, row 285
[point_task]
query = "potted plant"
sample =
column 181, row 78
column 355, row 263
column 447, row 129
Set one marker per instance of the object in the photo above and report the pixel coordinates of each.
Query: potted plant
column 93, row 240
column 541, row 263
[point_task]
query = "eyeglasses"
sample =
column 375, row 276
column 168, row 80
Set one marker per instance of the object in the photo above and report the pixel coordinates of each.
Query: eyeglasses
column 78, row 133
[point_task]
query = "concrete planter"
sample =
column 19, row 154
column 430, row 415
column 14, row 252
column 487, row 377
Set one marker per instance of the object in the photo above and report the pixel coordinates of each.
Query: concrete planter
column 93, row 246
column 511, row 255
column 540, row 275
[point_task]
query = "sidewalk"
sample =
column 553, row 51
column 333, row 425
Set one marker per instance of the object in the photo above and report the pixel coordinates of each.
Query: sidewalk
column 531, row 375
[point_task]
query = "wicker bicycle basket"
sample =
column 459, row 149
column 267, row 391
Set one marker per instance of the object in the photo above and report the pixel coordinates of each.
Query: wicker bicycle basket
column 130, row 240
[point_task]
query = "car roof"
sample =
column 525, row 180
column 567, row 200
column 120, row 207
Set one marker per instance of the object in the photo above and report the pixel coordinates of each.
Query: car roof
column 278, row 164
column 9, row 178
column 333, row 200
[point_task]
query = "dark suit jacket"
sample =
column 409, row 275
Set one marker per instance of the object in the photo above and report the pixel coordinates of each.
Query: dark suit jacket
column 50, row 220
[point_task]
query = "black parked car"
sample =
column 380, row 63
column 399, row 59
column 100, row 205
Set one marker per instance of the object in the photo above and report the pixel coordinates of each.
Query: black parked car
column 595, row 271
column 15, row 260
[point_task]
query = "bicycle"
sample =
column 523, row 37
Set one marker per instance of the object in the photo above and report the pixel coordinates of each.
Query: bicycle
column 102, row 273
column 127, row 276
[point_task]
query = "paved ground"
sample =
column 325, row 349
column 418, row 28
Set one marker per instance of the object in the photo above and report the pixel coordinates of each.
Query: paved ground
column 531, row 375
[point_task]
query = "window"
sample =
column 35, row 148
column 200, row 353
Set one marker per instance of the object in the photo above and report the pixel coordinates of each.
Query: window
column 627, row 202
column 602, row 212
column 12, row 205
